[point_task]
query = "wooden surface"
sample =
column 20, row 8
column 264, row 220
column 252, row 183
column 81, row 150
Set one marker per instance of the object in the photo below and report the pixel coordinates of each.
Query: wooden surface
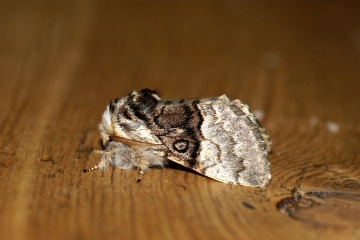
column 297, row 63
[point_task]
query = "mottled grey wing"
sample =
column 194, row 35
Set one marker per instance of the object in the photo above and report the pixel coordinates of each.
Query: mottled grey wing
column 232, row 149
column 215, row 137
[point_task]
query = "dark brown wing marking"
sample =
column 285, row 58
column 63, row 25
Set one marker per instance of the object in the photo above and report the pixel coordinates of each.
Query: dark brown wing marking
column 178, row 126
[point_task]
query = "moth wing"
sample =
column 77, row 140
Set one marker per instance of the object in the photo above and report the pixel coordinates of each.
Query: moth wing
column 245, row 109
column 214, row 137
column 233, row 149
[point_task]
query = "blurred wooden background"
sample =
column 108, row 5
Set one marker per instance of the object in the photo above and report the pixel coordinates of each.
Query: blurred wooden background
column 296, row 63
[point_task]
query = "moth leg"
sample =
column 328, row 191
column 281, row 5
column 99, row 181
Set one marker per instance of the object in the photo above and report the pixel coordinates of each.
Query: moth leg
column 99, row 151
column 102, row 165
column 105, row 161
column 142, row 165
column 93, row 168
column 141, row 175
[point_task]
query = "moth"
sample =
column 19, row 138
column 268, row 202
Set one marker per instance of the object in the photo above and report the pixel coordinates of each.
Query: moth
column 215, row 137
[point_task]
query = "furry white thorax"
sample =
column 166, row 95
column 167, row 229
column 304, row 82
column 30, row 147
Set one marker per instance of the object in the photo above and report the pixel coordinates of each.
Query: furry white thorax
column 105, row 126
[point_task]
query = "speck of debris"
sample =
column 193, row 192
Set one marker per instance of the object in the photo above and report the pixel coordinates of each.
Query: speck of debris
column 314, row 120
column 49, row 159
column 355, row 37
column 259, row 114
column 248, row 205
column 332, row 127
column 270, row 60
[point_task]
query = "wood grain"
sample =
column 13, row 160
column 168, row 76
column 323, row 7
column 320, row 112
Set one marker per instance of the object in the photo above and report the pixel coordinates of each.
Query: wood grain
column 62, row 62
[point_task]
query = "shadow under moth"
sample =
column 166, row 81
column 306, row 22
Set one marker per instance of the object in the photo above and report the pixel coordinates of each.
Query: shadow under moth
column 216, row 137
